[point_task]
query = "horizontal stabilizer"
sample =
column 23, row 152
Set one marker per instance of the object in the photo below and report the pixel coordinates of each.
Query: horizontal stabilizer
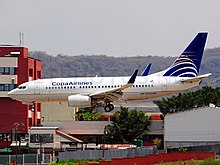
column 198, row 78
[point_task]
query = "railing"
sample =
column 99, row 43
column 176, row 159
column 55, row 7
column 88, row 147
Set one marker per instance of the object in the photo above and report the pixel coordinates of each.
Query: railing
column 107, row 154
column 26, row 159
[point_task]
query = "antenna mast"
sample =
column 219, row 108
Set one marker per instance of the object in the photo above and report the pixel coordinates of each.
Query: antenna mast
column 21, row 39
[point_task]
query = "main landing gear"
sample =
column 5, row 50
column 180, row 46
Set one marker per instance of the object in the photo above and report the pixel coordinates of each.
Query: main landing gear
column 108, row 107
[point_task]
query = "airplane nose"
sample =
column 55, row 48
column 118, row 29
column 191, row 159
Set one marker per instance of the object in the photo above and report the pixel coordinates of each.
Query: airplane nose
column 11, row 94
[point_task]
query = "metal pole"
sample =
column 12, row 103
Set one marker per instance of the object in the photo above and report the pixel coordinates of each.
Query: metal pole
column 9, row 159
column 37, row 159
column 23, row 159
column 16, row 150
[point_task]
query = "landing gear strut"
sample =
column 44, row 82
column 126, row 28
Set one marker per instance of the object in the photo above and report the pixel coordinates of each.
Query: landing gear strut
column 108, row 107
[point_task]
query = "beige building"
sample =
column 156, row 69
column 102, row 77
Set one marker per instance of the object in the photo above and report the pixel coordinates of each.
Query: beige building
column 51, row 140
column 55, row 111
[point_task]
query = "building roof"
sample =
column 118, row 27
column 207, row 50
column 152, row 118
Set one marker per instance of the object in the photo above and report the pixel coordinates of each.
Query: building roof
column 79, row 127
column 68, row 136
column 43, row 128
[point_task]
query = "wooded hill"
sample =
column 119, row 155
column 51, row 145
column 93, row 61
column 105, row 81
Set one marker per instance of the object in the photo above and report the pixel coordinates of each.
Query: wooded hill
column 102, row 65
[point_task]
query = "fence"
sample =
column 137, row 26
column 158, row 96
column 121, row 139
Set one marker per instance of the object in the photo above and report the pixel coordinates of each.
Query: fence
column 107, row 154
column 26, row 159
column 156, row 159
column 207, row 148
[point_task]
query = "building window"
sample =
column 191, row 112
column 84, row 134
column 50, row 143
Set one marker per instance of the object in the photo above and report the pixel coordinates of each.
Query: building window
column 12, row 71
column 7, row 70
column 30, row 72
column 1, row 87
column 1, row 70
column 39, row 74
column 12, row 86
column 6, row 87
column 41, row 138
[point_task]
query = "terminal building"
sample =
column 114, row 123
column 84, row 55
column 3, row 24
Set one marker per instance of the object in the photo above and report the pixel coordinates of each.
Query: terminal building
column 16, row 68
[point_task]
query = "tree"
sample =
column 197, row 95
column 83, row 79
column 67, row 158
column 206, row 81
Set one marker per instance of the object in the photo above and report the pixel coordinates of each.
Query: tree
column 127, row 125
column 190, row 100
column 88, row 114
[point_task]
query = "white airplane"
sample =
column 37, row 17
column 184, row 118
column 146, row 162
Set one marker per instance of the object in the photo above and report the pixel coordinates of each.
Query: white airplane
column 90, row 91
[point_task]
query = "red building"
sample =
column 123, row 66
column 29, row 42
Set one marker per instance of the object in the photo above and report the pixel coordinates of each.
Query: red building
column 16, row 68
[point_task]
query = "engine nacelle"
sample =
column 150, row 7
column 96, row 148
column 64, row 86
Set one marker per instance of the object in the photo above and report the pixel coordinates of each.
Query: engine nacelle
column 79, row 101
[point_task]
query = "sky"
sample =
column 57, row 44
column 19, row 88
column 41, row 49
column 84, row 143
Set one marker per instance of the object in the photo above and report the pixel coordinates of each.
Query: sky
column 110, row 27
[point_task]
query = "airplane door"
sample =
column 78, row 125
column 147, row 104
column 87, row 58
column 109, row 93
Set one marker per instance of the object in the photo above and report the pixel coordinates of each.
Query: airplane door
column 164, row 87
column 36, row 89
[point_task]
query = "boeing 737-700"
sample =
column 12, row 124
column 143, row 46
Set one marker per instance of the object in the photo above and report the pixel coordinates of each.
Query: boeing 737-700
column 90, row 91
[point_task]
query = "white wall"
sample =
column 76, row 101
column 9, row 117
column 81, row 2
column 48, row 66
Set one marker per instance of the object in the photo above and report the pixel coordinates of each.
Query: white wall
column 199, row 125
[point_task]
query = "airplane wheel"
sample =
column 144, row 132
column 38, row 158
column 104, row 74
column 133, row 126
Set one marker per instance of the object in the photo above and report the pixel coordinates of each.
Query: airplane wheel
column 109, row 108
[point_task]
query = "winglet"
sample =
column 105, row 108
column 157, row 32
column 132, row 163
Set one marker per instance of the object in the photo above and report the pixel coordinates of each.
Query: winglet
column 146, row 71
column 133, row 77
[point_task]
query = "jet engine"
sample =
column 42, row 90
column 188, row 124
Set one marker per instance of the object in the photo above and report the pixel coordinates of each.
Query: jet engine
column 79, row 101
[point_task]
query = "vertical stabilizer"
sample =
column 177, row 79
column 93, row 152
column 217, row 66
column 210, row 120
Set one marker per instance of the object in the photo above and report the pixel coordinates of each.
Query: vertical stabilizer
column 188, row 63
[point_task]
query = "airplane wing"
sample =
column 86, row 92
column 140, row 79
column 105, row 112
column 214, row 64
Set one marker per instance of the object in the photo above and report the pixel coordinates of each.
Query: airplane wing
column 115, row 93
column 198, row 78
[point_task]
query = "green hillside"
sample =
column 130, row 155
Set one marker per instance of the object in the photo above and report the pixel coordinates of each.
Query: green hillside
column 102, row 65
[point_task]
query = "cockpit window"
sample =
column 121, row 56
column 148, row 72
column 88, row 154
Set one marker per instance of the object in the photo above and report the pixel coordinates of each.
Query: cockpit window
column 22, row 87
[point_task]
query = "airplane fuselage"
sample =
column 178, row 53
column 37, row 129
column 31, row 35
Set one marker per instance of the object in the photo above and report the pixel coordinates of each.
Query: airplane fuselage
column 58, row 89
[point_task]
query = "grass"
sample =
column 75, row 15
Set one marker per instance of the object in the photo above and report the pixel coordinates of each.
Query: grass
column 76, row 162
column 209, row 161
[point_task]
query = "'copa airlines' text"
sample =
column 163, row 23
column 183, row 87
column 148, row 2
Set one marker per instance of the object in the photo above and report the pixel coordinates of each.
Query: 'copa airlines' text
column 70, row 83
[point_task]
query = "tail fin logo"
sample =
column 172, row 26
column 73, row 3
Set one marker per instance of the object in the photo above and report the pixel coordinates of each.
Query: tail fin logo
column 182, row 67
column 188, row 64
